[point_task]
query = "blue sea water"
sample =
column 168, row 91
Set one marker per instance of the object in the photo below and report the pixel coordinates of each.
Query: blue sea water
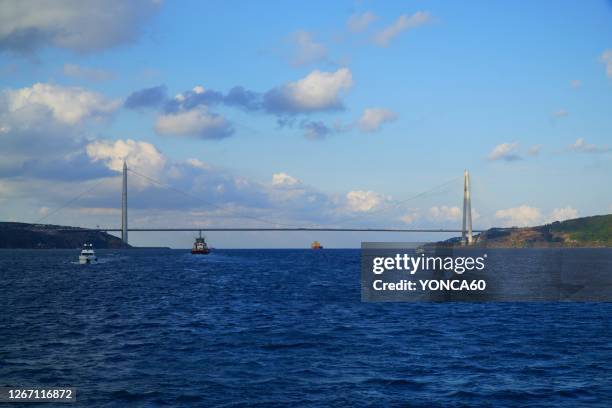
column 282, row 328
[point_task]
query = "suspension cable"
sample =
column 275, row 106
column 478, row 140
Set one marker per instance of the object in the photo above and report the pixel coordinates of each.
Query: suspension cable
column 208, row 202
column 395, row 205
column 73, row 199
column 399, row 203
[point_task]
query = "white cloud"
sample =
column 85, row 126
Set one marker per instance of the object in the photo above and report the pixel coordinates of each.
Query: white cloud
column 43, row 132
column 445, row 213
column 562, row 214
column 372, row 119
column 73, row 24
column 561, row 113
column 363, row 201
column 92, row 74
column 198, row 164
column 227, row 199
column 606, row 58
column 521, row 216
column 409, row 218
column 198, row 122
column 140, row 156
column 317, row 91
column 359, row 22
column 583, row 147
column 68, row 105
column 505, row 151
column 403, row 23
column 284, row 180
column 307, row 50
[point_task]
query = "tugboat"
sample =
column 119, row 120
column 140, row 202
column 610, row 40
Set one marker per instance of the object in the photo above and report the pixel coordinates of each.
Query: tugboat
column 316, row 245
column 200, row 247
column 88, row 255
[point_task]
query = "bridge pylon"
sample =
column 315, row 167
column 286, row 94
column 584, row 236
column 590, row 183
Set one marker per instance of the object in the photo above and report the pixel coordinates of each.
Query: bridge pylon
column 124, row 220
column 466, row 229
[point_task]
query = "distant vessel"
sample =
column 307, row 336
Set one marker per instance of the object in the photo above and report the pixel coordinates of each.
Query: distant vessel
column 199, row 246
column 316, row 245
column 88, row 255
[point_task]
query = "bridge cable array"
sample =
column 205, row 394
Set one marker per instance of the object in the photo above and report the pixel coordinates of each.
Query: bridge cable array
column 401, row 202
column 210, row 203
column 394, row 205
column 67, row 203
column 255, row 218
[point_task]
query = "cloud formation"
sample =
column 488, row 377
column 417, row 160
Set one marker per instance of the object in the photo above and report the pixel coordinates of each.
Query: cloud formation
column 521, row 216
column 562, row 214
column 581, row 146
column 69, row 105
column 146, row 98
column 409, row 218
column 372, row 119
column 42, row 131
column 241, row 97
column 363, row 201
column 284, row 180
column 445, row 213
column 318, row 91
column 188, row 113
column 505, row 151
column 140, row 156
column 403, row 23
column 238, row 97
column 81, row 26
column 226, row 198
column 359, row 22
column 198, row 122
column 315, row 130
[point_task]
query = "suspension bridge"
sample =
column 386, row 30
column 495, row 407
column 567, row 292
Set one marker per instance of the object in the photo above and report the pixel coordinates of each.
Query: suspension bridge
column 465, row 230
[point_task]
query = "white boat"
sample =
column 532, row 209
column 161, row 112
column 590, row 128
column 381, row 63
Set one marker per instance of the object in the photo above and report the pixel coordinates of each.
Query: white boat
column 88, row 255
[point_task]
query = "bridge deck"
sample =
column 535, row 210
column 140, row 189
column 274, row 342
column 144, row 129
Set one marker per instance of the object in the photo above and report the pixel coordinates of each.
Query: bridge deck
column 267, row 229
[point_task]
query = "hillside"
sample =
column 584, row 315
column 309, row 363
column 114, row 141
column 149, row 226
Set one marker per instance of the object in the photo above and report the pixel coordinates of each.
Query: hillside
column 595, row 231
column 22, row 235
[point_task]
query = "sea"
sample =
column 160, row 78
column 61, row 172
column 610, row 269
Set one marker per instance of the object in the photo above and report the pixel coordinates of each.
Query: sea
column 272, row 328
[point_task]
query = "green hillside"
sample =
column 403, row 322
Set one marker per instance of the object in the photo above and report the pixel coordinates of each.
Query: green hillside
column 22, row 235
column 595, row 231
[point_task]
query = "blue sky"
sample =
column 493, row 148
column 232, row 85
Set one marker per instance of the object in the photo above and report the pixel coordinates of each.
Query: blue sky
column 354, row 106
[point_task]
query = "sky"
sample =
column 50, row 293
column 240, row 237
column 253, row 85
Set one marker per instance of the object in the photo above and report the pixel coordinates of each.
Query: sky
column 339, row 114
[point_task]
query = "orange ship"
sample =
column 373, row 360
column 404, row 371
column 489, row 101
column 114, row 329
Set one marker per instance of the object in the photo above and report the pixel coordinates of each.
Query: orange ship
column 316, row 245
column 200, row 247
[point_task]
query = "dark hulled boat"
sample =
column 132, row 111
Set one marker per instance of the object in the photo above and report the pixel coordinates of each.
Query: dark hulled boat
column 200, row 247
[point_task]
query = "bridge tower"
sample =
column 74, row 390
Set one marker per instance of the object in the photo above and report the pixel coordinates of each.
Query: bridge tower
column 466, row 229
column 124, row 222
